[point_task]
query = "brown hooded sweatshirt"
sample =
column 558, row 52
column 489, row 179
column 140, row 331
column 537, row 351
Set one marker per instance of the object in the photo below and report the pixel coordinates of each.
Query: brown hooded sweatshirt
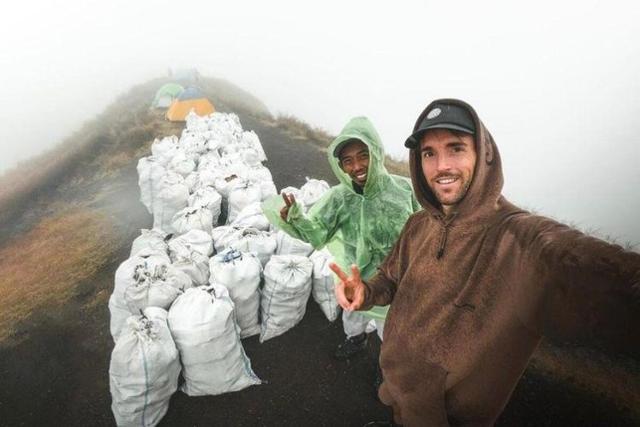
column 474, row 292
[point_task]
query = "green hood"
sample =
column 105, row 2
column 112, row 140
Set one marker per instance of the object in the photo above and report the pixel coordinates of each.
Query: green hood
column 362, row 129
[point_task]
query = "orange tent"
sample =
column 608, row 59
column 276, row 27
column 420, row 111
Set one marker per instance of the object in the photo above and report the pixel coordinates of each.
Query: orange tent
column 190, row 99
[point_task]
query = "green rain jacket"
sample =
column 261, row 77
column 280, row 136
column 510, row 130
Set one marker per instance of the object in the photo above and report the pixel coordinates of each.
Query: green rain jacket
column 357, row 228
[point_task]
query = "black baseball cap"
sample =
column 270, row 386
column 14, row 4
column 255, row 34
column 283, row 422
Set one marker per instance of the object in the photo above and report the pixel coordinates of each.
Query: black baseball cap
column 443, row 116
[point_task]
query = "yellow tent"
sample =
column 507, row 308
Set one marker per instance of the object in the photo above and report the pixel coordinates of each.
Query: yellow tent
column 190, row 98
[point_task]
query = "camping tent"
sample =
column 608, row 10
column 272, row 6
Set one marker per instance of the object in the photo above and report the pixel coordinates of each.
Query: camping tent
column 190, row 98
column 166, row 94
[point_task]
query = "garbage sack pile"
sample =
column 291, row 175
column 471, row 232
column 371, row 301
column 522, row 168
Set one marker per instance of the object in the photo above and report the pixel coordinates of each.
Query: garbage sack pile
column 211, row 271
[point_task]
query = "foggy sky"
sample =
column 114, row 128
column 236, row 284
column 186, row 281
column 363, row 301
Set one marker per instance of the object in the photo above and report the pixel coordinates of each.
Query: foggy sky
column 556, row 83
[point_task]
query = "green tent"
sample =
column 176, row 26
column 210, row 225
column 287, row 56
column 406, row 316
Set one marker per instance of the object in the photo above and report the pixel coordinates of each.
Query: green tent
column 166, row 94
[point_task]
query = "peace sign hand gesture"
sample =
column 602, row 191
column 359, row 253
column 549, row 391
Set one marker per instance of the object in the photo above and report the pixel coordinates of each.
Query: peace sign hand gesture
column 350, row 290
column 289, row 201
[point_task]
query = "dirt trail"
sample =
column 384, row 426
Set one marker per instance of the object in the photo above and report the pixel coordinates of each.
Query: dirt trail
column 58, row 372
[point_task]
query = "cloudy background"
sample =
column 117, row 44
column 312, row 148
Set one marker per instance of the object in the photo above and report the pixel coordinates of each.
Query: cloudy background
column 557, row 83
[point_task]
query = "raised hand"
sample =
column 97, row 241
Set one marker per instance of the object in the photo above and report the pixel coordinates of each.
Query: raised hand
column 289, row 201
column 350, row 290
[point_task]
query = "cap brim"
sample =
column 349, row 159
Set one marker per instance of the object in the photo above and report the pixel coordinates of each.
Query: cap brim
column 338, row 149
column 412, row 141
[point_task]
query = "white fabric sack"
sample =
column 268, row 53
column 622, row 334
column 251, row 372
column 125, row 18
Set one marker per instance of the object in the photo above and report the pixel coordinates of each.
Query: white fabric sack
column 208, row 198
column 267, row 189
column 240, row 197
column 192, row 218
column 126, row 275
column 193, row 144
column 207, row 178
column 213, row 141
column 195, row 123
column 252, row 216
column 225, row 183
column 152, row 239
column 144, row 370
column 323, row 289
column 181, row 164
column 262, row 243
column 312, row 190
column 189, row 261
column 147, row 259
column 209, row 161
column 225, row 236
column 257, row 174
column 164, row 150
column 250, row 157
column 202, row 322
column 287, row 285
column 191, row 181
column 171, row 199
column 150, row 173
column 197, row 240
column 250, row 139
column 240, row 274
column 155, row 288
column 287, row 245
column 118, row 315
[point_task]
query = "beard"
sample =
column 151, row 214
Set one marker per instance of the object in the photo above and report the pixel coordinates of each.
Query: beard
column 450, row 199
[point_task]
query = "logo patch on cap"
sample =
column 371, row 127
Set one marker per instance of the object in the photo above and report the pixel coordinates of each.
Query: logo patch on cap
column 434, row 113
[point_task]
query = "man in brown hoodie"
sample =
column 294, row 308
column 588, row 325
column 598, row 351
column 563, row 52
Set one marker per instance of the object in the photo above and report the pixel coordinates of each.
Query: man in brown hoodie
column 474, row 282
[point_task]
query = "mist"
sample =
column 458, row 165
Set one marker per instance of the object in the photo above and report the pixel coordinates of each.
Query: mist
column 556, row 83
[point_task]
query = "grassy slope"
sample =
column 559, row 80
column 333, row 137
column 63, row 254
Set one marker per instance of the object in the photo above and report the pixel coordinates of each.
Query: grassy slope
column 49, row 218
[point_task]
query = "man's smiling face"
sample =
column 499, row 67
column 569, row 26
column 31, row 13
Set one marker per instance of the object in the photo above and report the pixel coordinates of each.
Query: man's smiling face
column 354, row 161
column 448, row 161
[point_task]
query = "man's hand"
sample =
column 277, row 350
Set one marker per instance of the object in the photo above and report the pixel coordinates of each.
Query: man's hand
column 350, row 290
column 289, row 201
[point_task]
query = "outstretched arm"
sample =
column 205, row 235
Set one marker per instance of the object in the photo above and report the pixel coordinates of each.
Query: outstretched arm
column 316, row 227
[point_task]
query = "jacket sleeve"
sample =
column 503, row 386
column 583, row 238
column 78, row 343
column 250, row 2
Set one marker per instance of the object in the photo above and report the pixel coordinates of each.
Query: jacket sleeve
column 587, row 287
column 317, row 227
column 381, row 287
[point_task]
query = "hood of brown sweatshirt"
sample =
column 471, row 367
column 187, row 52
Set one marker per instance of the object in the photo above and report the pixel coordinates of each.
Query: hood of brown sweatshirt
column 484, row 193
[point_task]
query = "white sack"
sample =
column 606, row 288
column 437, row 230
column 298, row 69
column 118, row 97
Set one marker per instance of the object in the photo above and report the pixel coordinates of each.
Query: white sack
column 150, row 173
column 144, row 370
column 126, row 275
column 252, row 216
column 225, row 183
column 189, row 261
column 287, row 285
column 250, row 139
column 209, row 198
column 152, row 239
column 164, row 150
column 240, row 197
column 197, row 240
column 192, row 218
column 181, row 164
column 287, row 245
column 225, row 236
column 240, row 274
column 157, row 287
column 312, row 190
column 323, row 284
column 202, row 322
column 171, row 199
column 262, row 243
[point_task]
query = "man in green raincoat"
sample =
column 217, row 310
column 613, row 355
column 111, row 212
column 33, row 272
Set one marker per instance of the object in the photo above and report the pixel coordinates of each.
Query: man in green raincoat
column 358, row 220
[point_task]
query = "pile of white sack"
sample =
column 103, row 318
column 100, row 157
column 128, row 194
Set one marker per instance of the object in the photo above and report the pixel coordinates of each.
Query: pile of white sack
column 210, row 272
